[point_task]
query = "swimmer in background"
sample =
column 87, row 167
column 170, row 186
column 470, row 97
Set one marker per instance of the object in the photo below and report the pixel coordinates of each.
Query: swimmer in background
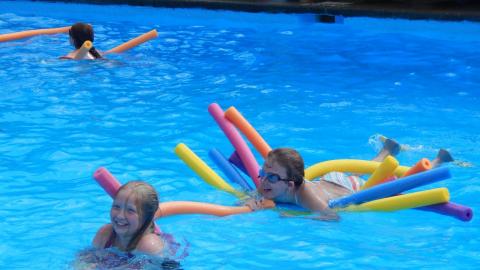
column 282, row 180
column 79, row 33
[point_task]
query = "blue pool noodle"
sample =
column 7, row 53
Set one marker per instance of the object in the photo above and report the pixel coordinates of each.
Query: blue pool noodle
column 228, row 169
column 392, row 188
column 235, row 160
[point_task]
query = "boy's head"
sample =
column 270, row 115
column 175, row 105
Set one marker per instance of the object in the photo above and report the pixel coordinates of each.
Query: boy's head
column 282, row 172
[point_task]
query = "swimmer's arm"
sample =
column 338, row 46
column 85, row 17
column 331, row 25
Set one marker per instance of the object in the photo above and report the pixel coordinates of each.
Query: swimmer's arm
column 67, row 57
column 85, row 261
column 102, row 236
column 259, row 204
column 151, row 244
column 315, row 203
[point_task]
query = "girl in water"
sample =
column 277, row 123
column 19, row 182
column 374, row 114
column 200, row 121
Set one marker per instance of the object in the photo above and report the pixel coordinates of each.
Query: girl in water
column 79, row 33
column 131, row 227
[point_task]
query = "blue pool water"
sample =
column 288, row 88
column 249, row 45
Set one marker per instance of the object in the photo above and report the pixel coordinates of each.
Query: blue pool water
column 325, row 89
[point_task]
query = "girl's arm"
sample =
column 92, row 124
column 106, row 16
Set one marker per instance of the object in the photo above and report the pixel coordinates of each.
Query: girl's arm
column 151, row 244
column 102, row 236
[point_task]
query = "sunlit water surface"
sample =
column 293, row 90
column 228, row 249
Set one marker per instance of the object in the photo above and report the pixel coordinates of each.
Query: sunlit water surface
column 324, row 89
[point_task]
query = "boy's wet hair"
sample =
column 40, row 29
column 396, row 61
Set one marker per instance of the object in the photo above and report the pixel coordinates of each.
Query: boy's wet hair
column 146, row 200
column 291, row 160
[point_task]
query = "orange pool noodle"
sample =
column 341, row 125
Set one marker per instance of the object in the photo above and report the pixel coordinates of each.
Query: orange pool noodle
column 186, row 207
column 83, row 51
column 248, row 130
column 31, row 33
column 422, row 165
column 134, row 42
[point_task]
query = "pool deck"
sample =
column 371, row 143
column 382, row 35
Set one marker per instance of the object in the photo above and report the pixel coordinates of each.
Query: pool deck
column 458, row 10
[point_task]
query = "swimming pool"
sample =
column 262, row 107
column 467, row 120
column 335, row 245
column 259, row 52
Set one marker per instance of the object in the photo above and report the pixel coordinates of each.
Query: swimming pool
column 322, row 88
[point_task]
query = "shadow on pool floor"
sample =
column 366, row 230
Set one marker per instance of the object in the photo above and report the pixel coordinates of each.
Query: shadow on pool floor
column 455, row 10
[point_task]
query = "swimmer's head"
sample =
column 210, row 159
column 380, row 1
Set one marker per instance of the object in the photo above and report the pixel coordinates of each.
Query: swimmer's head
column 79, row 33
column 282, row 173
column 146, row 201
column 291, row 160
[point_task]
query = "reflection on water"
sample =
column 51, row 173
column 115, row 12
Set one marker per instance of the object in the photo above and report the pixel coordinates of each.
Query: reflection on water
column 114, row 259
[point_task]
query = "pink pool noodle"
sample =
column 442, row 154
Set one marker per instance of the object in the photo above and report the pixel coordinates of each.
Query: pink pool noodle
column 237, row 141
column 107, row 181
column 459, row 211
column 111, row 185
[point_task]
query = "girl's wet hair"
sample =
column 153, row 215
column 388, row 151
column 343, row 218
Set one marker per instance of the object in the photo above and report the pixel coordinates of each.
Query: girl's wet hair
column 291, row 160
column 81, row 32
column 146, row 200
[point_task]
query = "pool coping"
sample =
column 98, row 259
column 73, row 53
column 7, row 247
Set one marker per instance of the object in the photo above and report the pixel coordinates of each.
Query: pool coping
column 458, row 10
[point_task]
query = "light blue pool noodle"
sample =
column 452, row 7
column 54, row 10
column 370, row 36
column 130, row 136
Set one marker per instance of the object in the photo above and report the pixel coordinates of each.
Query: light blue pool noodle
column 392, row 188
column 228, row 169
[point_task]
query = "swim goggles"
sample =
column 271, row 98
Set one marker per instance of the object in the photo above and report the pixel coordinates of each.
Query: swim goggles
column 271, row 177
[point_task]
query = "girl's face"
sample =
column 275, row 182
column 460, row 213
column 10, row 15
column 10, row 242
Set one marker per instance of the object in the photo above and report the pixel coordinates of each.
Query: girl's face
column 274, row 182
column 124, row 214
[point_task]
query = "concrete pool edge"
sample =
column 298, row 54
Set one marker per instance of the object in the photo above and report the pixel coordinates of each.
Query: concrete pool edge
column 451, row 11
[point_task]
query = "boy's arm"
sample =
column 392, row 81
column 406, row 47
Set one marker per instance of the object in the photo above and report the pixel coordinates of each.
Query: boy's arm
column 259, row 204
column 315, row 203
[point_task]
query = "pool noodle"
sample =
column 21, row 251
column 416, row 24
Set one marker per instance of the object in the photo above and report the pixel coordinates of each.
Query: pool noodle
column 228, row 169
column 188, row 207
column 31, row 33
column 237, row 141
column 111, row 185
column 404, row 201
column 83, row 51
column 107, row 181
column 235, row 160
column 203, row 170
column 392, row 188
column 134, row 42
column 382, row 172
column 422, row 165
column 458, row 211
column 347, row 165
column 234, row 116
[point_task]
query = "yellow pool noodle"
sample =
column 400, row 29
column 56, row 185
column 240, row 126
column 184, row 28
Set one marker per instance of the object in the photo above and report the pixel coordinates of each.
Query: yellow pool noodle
column 404, row 201
column 80, row 54
column 347, row 165
column 203, row 170
column 386, row 169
